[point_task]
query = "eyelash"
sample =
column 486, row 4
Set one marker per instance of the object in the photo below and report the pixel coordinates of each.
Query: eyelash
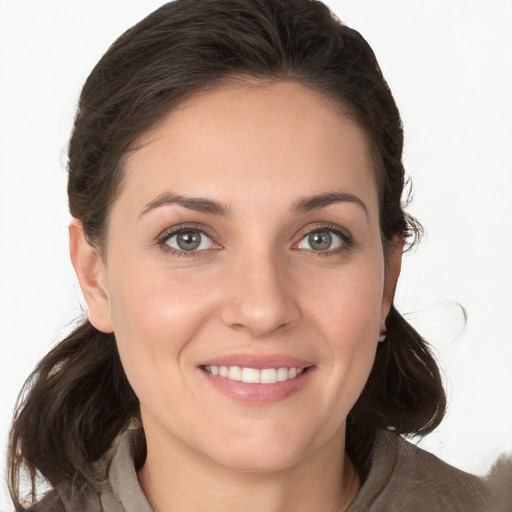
column 162, row 239
column 346, row 238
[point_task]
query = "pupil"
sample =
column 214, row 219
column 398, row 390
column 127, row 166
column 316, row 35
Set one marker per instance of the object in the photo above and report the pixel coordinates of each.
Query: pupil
column 320, row 240
column 188, row 240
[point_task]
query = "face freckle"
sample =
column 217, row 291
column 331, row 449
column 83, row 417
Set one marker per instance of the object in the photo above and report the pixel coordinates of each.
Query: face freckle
column 272, row 196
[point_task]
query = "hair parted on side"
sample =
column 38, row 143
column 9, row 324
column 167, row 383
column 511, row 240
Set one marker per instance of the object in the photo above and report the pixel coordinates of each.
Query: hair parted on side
column 77, row 400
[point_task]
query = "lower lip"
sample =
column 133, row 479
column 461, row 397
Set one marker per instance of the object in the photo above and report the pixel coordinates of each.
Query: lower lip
column 258, row 393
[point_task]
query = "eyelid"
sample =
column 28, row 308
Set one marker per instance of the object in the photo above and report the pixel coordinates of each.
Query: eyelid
column 169, row 232
column 348, row 239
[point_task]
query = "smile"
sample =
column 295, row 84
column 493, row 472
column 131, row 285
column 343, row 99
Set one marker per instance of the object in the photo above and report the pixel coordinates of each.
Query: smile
column 257, row 379
column 254, row 375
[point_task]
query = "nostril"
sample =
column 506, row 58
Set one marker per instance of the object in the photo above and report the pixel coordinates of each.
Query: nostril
column 261, row 315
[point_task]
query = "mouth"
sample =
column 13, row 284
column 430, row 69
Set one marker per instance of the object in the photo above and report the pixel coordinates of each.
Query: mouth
column 255, row 375
column 254, row 380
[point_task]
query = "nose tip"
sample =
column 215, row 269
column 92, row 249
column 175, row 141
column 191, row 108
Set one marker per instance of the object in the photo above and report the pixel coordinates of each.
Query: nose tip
column 261, row 300
column 255, row 317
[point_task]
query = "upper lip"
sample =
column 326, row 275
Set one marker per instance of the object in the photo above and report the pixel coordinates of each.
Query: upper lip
column 257, row 361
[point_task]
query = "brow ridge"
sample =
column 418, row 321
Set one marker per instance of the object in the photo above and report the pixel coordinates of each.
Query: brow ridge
column 203, row 205
column 317, row 201
column 199, row 204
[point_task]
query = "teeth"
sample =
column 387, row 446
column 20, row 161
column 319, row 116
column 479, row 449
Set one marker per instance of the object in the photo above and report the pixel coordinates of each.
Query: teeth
column 268, row 376
column 282, row 374
column 250, row 375
column 254, row 376
column 234, row 373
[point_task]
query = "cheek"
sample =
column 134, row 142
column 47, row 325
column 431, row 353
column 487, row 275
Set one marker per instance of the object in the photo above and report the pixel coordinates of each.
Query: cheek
column 348, row 315
column 348, row 302
column 154, row 318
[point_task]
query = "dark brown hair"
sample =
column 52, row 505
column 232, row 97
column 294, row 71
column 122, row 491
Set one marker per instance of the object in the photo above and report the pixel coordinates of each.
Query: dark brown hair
column 78, row 399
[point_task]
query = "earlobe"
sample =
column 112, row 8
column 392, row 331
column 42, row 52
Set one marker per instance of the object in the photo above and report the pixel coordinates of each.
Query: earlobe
column 91, row 273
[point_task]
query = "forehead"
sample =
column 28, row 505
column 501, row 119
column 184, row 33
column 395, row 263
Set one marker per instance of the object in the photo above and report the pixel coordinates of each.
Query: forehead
column 252, row 141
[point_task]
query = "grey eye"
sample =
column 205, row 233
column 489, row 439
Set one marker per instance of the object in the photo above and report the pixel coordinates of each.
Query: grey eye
column 189, row 240
column 321, row 240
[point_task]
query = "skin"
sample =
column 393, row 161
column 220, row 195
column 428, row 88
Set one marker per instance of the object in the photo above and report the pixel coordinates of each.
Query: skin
column 256, row 285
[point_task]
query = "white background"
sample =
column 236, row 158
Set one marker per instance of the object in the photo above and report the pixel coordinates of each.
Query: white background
column 449, row 65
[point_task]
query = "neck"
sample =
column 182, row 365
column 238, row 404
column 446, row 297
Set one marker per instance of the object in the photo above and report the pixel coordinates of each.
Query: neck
column 174, row 478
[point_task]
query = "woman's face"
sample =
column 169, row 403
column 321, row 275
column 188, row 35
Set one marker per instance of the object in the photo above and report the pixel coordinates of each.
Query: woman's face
column 245, row 244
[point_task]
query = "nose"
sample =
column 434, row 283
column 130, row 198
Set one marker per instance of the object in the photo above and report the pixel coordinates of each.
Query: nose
column 260, row 296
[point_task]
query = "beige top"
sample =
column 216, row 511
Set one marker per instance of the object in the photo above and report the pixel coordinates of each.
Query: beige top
column 402, row 478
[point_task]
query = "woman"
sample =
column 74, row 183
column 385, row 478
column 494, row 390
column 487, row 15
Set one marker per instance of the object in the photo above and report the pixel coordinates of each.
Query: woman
column 235, row 180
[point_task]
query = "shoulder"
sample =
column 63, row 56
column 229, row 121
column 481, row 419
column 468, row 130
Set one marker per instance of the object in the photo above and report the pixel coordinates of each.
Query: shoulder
column 423, row 475
column 88, row 497
column 405, row 478
column 85, row 502
column 117, row 488
column 500, row 482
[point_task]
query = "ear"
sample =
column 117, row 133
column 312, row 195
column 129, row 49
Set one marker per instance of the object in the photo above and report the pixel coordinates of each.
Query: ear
column 91, row 273
column 393, row 267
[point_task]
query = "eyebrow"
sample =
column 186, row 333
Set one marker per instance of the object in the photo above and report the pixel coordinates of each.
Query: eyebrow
column 203, row 205
column 307, row 204
column 198, row 204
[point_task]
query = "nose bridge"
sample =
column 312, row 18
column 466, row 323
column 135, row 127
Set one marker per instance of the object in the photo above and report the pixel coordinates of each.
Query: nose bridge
column 260, row 296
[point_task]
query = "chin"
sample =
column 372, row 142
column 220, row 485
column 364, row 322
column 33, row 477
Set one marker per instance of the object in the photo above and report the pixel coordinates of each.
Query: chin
column 261, row 460
column 269, row 452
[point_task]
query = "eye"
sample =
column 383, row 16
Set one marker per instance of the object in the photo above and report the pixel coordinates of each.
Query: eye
column 324, row 240
column 188, row 240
